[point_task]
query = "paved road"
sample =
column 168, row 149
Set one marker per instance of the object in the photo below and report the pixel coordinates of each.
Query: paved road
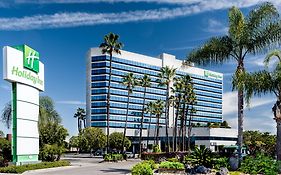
column 88, row 166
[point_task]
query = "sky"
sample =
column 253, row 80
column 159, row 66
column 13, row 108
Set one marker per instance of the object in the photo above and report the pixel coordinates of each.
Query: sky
column 62, row 31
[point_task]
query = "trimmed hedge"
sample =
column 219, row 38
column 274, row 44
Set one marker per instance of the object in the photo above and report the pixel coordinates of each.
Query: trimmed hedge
column 23, row 168
column 114, row 157
column 144, row 168
column 157, row 157
column 172, row 165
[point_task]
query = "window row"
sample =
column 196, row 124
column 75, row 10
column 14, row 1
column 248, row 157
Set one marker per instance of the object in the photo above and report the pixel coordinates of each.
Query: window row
column 120, row 125
column 198, row 87
column 130, row 119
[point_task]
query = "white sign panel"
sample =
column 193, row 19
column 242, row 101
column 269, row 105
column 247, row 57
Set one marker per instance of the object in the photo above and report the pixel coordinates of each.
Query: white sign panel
column 14, row 70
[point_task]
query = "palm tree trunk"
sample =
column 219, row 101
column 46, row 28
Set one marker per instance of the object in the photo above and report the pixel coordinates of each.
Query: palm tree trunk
column 176, row 126
column 182, row 127
column 277, row 116
column 167, row 118
column 78, row 123
column 143, row 105
column 240, row 123
column 84, row 122
column 108, row 103
column 185, row 121
column 157, row 130
column 126, row 121
column 189, row 133
column 148, row 131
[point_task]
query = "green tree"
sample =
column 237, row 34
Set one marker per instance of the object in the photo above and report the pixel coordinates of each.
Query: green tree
column 149, row 109
column 260, row 142
column 165, row 77
column 246, row 35
column 115, row 141
column 110, row 45
column 263, row 82
column 2, row 134
column 47, row 111
column 81, row 117
column 92, row 139
column 52, row 133
column 145, row 82
column 130, row 81
column 5, row 151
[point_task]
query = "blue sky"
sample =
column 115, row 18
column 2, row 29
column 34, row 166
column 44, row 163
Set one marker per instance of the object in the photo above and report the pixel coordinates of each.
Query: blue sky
column 63, row 30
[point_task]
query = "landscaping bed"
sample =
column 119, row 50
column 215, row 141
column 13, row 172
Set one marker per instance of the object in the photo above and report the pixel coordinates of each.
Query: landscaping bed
column 22, row 168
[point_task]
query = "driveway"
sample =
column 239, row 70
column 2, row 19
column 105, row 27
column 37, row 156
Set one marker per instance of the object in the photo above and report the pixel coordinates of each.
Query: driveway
column 86, row 165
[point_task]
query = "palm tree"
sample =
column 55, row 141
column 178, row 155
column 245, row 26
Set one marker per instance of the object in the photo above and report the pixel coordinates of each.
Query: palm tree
column 158, row 111
column 81, row 117
column 246, row 35
column 6, row 115
column 47, row 112
column 177, row 89
column 165, row 77
column 145, row 82
column 110, row 45
column 263, row 82
column 130, row 82
column 192, row 111
column 149, row 109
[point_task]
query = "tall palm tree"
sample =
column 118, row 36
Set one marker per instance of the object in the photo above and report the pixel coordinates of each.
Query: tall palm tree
column 110, row 45
column 263, row 82
column 165, row 77
column 145, row 82
column 192, row 111
column 158, row 111
column 177, row 90
column 130, row 81
column 81, row 117
column 149, row 109
column 246, row 35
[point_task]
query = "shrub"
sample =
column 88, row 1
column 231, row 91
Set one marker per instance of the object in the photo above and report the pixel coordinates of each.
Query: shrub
column 260, row 164
column 221, row 162
column 142, row 168
column 113, row 157
column 51, row 153
column 23, row 168
column 156, row 149
column 173, row 160
column 201, row 157
column 172, row 165
column 152, row 164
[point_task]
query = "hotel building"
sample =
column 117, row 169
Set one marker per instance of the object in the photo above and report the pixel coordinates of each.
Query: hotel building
column 208, row 87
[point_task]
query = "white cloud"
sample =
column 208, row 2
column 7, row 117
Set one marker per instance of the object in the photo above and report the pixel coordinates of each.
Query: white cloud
column 59, row 20
column 71, row 102
column 215, row 26
column 230, row 102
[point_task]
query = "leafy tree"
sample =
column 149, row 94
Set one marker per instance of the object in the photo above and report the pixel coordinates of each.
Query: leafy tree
column 51, row 152
column 263, row 82
column 52, row 133
column 165, row 77
column 5, row 151
column 81, row 117
column 6, row 116
column 110, row 45
column 130, row 82
column 47, row 111
column 145, row 82
column 251, row 34
column 91, row 138
column 260, row 142
column 2, row 134
column 115, row 141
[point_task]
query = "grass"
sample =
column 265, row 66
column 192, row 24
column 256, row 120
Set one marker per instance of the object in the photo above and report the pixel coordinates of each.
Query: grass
column 234, row 173
column 42, row 165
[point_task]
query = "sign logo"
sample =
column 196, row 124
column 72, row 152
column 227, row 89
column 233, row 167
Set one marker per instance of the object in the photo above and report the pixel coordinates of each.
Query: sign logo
column 30, row 59
column 211, row 74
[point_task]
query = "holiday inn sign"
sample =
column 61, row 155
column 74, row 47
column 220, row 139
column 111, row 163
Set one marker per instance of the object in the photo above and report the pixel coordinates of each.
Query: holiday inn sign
column 22, row 68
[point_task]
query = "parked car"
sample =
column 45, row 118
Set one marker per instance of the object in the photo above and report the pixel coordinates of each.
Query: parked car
column 129, row 154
